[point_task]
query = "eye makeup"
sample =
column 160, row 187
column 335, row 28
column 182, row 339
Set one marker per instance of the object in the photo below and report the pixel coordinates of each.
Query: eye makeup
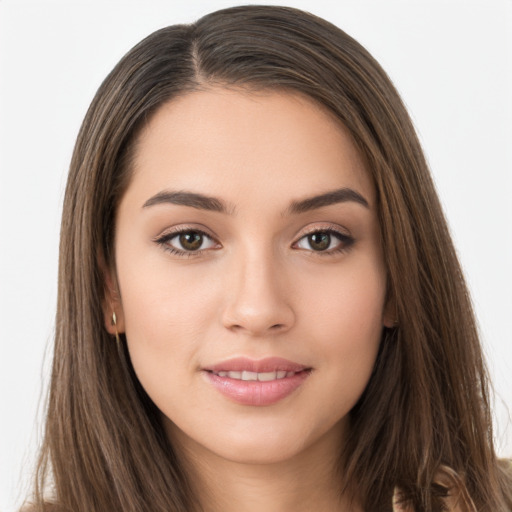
column 186, row 241
column 324, row 239
column 190, row 241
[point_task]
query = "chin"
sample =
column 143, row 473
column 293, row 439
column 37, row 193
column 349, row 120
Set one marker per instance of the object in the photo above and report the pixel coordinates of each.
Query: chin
column 258, row 442
column 258, row 451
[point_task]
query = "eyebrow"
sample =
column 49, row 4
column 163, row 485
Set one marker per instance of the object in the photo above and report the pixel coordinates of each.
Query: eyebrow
column 203, row 202
column 342, row 195
column 183, row 198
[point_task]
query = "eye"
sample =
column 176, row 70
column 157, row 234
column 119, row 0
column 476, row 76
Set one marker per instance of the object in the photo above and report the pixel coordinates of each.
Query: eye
column 187, row 241
column 326, row 240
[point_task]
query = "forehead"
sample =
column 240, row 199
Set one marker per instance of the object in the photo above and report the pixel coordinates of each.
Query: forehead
column 240, row 143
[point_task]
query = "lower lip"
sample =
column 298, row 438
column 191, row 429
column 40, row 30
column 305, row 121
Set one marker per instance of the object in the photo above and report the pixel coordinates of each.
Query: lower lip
column 253, row 392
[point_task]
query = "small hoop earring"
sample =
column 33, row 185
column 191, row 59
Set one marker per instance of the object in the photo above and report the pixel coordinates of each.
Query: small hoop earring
column 114, row 324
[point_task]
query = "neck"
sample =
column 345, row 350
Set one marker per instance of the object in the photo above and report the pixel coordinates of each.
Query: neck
column 305, row 482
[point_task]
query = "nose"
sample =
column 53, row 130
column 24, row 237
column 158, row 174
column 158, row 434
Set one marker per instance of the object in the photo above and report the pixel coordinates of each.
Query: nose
column 257, row 302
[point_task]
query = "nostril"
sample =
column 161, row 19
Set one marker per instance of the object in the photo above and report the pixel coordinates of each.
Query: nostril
column 257, row 317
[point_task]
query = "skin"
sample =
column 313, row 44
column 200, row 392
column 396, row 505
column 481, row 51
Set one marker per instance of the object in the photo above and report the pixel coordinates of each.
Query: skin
column 257, row 289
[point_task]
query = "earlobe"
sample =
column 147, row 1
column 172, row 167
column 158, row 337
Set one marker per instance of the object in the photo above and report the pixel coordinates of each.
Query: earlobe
column 390, row 322
column 113, row 315
column 390, row 314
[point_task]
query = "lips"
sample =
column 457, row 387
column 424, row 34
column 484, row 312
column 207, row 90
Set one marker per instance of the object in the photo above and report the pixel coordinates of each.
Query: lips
column 259, row 376
column 256, row 382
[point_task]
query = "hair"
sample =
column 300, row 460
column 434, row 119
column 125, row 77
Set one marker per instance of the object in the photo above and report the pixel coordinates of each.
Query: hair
column 423, row 424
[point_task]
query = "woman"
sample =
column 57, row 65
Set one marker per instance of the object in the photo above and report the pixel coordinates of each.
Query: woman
column 259, row 302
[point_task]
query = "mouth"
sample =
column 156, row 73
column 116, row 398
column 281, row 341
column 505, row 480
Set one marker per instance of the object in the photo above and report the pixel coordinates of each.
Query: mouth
column 256, row 376
column 251, row 368
column 257, row 382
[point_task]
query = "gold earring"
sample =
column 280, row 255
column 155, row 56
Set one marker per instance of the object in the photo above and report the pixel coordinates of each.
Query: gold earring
column 114, row 324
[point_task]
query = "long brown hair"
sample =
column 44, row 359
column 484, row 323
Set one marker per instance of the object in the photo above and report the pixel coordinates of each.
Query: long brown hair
column 425, row 411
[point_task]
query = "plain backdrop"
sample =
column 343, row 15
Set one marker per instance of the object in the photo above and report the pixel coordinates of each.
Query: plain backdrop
column 451, row 61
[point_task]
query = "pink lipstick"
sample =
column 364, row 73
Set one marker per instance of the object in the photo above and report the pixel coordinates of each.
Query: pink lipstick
column 256, row 382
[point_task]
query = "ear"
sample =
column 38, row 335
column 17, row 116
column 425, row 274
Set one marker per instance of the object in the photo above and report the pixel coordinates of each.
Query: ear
column 390, row 313
column 113, row 314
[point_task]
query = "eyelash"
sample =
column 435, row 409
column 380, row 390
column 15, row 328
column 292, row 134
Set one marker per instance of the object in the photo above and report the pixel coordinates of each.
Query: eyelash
column 164, row 240
column 345, row 240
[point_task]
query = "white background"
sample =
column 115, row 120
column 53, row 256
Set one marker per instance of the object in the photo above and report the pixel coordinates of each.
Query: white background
column 450, row 59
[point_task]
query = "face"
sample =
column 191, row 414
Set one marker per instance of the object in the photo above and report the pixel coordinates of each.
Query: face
column 250, row 275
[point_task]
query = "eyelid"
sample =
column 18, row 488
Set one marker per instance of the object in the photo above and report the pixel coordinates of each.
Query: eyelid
column 345, row 238
column 180, row 228
column 168, row 234
column 322, row 226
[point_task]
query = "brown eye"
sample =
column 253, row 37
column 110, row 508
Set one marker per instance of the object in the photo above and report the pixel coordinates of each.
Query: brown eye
column 191, row 240
column 319, row 241
column 328, row 241
column 187, row 241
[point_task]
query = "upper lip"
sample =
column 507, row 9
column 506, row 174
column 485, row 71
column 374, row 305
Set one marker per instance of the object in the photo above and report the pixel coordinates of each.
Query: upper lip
column 268, row 364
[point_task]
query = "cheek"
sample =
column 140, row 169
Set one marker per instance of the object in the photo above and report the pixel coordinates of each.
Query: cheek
column 166, row 315
column 345, row 319
column 346, row 304
column 158, row 297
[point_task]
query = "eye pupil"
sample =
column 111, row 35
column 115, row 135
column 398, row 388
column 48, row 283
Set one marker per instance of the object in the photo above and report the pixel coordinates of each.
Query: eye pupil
column 191, row 241
column 319, row 241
